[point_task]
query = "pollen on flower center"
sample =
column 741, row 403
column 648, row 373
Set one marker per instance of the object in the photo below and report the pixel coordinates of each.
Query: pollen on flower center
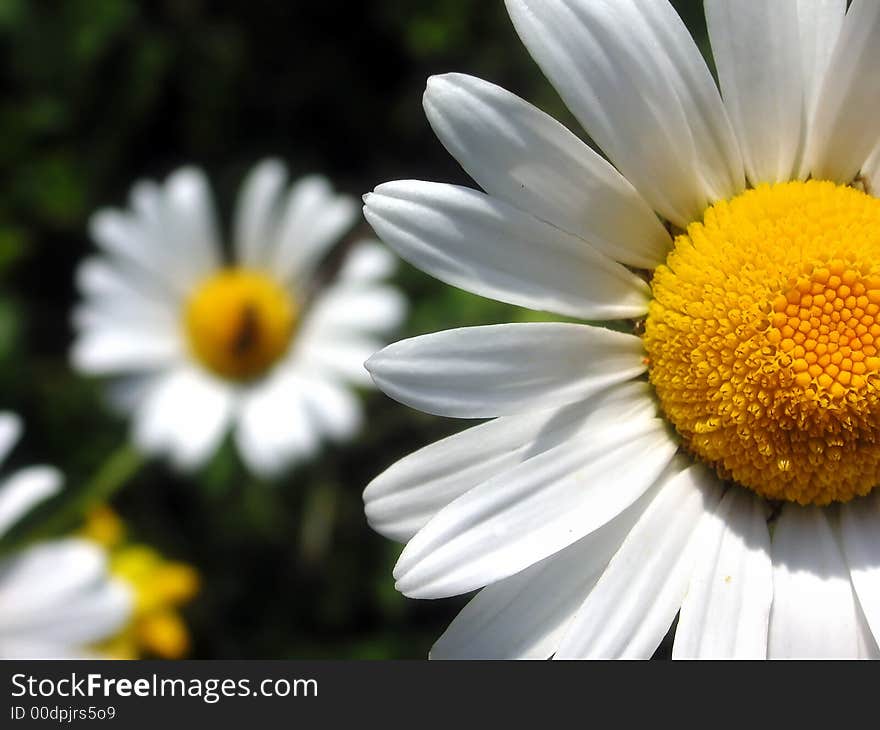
column 239, row 323
column 763, row 340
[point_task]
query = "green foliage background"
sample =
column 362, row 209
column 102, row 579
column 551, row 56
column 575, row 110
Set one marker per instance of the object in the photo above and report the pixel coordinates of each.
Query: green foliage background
column 98, row 93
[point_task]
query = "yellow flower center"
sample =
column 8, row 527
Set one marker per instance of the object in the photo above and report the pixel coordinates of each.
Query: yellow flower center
column 763, row 340
column 239, row 323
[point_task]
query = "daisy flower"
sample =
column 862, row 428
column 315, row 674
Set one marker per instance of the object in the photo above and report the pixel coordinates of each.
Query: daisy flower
column 159, row 588
column 711, row 455
column 56, row 597
column 265, row 344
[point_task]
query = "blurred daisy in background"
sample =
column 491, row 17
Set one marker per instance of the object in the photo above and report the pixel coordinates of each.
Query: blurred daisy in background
column 600, row 504
column 159, row 588
column 266, row 342
column 57, row 597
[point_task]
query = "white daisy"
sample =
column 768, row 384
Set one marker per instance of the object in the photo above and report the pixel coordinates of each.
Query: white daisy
column 56, row 597
column 732, row 486
column 265, row 344
column 160, row 588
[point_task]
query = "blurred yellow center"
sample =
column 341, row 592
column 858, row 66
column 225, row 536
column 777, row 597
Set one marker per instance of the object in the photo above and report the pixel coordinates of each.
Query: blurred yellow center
column 239, row 322
column 158, row 586
column 763, row 340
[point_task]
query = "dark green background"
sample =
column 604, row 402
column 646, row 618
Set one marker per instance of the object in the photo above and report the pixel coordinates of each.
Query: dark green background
column 98, row 93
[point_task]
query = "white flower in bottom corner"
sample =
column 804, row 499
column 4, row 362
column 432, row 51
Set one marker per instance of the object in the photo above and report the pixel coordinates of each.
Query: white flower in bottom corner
column 56, row 597
column 266, row 341
column 714, row 455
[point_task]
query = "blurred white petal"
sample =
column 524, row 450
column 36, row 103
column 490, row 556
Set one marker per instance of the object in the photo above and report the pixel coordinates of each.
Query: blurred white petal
column 185, row 415
column 254, row 218
column 25, row 489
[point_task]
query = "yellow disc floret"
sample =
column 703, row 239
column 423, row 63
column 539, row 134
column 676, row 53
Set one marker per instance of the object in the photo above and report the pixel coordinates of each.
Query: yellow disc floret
column 763, row 340
column 239, row 323
column 160, row 587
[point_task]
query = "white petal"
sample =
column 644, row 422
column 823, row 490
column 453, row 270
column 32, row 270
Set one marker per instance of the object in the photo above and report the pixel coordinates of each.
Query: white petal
column 254, row 213
column 95, row 315
column 103, row 351
column 188, row 211
column 24, row 489
column 814, row 614
column 333, row 408
column 525, row 616
column 10, row 433
column 534, row 510
column 127, row 322
column 845, row 131
column 334, row 353
column 276, row 426
column 145, row 199
column 820, row 22
column 115, row 286
column 726, row 611
column 860, row 536
column 171, row 235
column 488, row 247
column 871, row 173
column 313, row 219
column 633, row 76
column 480, row 372
column 22, row 648
column 93, row 613
column 760, row 68
column 185, row 415
column 368, row 261
column 635, row 601
column 401, row 500
column 348, row 307
column 523, row 156
column 47, row 574
column 142, row 244
column 97, row 615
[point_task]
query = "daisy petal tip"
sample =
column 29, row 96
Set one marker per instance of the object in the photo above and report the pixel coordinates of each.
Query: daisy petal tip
column 408, row 582
column 45, row 479
column 396, row 189
column 186, row 176
column 376, row 525
column 369, row 492
column 404, row 585
column 398, row 587
column 12, row 423
column 437, row 79
column 323, row 181
column 431, row 86
column 438, row 83
column 373, row 363
column 271, row 165
column 82, row 555
column 379, row 191
column 97, row 220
